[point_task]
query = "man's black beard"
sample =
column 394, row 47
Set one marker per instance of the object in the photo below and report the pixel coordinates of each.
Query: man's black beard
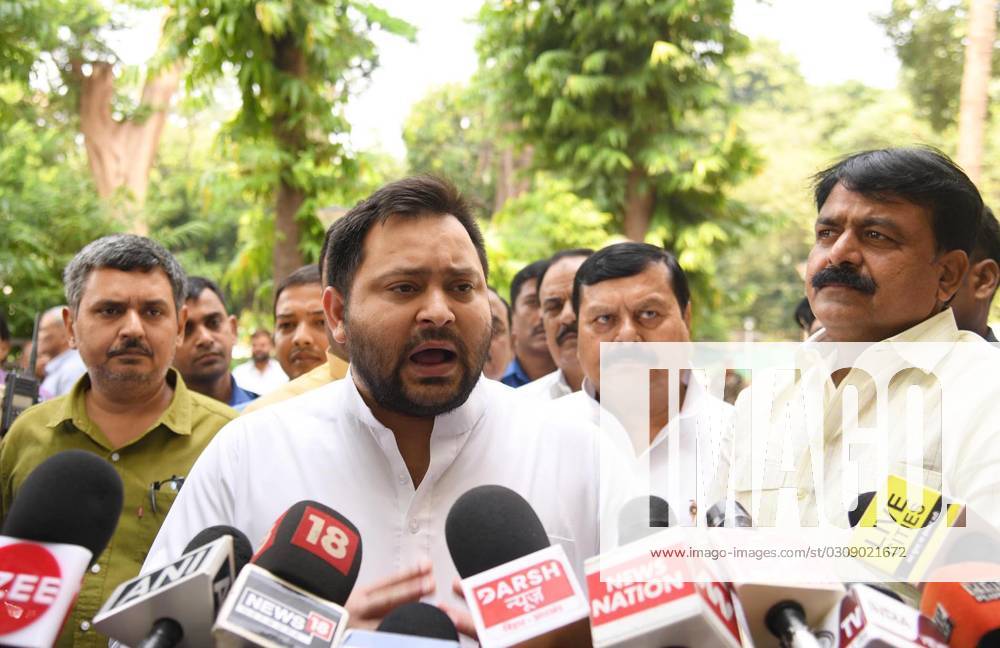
column 368, row 357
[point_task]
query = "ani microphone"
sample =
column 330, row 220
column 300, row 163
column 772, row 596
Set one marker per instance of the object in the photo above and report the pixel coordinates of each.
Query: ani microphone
column 176, row 604
column 58, row 524
column 520, row 590
column 294, row 590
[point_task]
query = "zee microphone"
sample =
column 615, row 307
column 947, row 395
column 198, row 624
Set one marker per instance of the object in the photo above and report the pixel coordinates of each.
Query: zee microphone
column 59, row 523
column 411, row 625
column 519, row 588
column 176, row 604
column 293, row 591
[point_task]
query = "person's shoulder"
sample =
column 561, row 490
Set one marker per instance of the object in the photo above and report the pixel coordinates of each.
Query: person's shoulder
column 208, row 413
column 317, row 405
column 33, row 425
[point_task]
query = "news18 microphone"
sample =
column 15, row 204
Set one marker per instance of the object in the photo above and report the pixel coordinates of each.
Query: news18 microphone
column 293, row 591
column 412, row 625
column 176, row 604
column 58, row 524
column 770, row 607
column 520, row 589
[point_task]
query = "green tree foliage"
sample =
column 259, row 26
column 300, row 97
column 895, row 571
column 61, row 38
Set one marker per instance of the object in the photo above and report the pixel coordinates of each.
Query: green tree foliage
column 929, row 38
column 296, row 64
column 624, row 98
column 447, row 134
column 539, row 223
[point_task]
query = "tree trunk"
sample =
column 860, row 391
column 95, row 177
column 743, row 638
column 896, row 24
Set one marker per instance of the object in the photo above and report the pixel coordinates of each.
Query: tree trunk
column 121, row 153
column 513, row 179
column 291, row 138
column 639, row 201
column 975, row 86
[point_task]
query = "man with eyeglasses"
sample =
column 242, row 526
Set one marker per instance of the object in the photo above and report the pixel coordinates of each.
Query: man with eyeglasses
column 126, row 315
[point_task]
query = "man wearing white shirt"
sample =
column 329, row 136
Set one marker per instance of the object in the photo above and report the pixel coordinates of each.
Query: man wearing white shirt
column 555, row 286
column 262, row 374
column 636, row 292
column 65, row 366
column 412, row 427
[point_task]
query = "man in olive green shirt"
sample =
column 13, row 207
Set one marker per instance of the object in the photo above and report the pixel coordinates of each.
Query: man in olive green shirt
column 126, row 317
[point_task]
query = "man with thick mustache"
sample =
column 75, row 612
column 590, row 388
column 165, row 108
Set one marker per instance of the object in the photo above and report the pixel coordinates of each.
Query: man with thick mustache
column 555, row 289
column 892, row 238
column 126, row 315
column 412, row 426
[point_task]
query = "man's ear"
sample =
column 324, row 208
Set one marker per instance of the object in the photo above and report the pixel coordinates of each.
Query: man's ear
column 687, row 316
column 333, row 308
column 953, row 265
column 984, row 277
column 234, row 326
column 68, row 322
column 182, row 318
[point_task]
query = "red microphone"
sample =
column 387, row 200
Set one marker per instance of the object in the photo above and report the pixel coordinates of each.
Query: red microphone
column 967, row 613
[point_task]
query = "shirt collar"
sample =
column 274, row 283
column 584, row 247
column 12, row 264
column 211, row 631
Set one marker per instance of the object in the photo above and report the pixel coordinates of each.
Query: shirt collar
column 73, row 408
column 457, row 422
column 514, row 369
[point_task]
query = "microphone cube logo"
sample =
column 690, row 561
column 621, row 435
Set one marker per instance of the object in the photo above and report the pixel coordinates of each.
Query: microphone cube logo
column 522, row 592
column 30, row 582
column 636, row 585
column 326, row 537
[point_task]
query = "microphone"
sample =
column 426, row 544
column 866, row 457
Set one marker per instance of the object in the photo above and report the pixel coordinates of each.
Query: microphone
column 869, row 618
column 519, row 588
column 967, row 613
column 770, row 607
column 59, row 523
column 641, row 515
column 176, row 604
column 294, row 589
column 412, row 625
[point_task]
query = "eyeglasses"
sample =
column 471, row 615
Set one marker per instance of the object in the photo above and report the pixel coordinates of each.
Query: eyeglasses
column 174, row 483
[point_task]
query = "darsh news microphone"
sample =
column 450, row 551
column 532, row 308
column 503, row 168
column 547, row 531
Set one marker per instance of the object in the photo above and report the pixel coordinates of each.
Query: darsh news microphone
column 520, row 589
column 59, row 523
column 293, row 591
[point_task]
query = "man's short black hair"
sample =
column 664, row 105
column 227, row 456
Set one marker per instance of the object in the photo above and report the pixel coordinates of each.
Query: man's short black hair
column 412, row 197
column 627, row 260
column 531, row 271
column 988, row 238
column 804, row 316
column 922, row 176
column 307, row 274
column 510, row 316
column 197, row 285
column 558, row 256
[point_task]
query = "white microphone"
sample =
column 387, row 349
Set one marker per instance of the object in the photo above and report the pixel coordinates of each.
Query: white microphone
column 176, row 604
column 60, row 520
column 519, row 588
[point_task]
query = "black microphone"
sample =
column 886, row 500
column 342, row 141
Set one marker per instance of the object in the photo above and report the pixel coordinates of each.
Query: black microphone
column 73, row 497
column 786, row 620
column 296, row 585
column 176, row 604
column 59, row 523
column 641, row 515
column 518, row 587
column 716, row 516
column 419, row 620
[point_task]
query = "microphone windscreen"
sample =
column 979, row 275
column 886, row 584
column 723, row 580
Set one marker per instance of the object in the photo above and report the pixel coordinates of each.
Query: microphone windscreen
column 419, row 620
column 73, row 497
column 640, row 515
column 314, row 547
column 864, row 499
column 242, row 550
column 716, row 516
column 489, row 526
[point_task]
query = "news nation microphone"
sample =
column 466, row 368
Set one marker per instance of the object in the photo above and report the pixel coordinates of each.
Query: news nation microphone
column 176, row 604
column 293, row 592
column 641, row 599
column 967, row 613
column 413, row 625
column 520, row 590
column 769, row 607
column 60, row 521
column 868, row 618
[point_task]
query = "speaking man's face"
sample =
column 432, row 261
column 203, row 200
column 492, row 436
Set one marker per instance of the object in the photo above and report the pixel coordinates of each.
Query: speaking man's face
column 417, row 323
column 874, row 269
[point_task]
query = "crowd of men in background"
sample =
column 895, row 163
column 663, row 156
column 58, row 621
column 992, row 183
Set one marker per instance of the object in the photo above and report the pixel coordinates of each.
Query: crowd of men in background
column 137, row 365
